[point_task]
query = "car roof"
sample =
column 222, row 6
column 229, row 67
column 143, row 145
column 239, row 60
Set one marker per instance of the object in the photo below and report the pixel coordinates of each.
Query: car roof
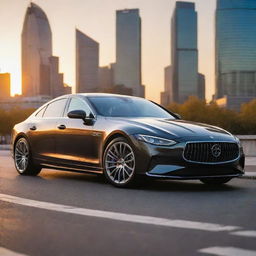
column 99, row 95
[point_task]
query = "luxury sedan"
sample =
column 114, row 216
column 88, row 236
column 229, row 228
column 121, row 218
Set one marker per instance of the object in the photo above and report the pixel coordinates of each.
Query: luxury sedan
column 123, row 138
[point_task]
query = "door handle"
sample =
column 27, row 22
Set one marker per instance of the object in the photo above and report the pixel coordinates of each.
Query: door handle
column 33, row 128
column 62, row 127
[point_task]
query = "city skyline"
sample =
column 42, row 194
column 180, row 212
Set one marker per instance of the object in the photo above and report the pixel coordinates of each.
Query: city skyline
column 155, row 35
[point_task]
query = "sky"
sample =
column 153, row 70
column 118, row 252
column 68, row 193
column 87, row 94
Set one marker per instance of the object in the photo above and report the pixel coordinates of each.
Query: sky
column 96, row 18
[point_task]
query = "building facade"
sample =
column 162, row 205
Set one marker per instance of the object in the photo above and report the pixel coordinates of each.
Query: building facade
column 201, row 87
column 128, row 51
column 184, row 52
column 87, row 63
column 40, row 70
column 5, row 85
column 166, row 95
column 58, row 87
column 106, row 79
column 36, row 50
column 24, row 102
column 235, row 51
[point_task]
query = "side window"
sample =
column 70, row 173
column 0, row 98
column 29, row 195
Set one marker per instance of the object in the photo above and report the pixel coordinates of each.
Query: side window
column 40, row 113
column 77, row 104
column 56, row 108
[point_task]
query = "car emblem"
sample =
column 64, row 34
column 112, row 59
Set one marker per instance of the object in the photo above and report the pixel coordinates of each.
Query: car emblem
column 211, row 137
column 216, row 150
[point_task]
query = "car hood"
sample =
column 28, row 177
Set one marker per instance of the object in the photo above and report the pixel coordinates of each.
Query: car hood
column 176, row 128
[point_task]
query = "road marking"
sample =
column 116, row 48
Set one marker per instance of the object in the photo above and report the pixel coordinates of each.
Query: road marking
column 118, row 216
column 247, row 233
column 6, row 252
column 227, row 251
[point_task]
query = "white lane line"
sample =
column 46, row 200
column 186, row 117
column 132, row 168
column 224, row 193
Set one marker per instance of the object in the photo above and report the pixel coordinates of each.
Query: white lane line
column 6, row 252
column 227, row 251
column 118, row 216
column 247, row 233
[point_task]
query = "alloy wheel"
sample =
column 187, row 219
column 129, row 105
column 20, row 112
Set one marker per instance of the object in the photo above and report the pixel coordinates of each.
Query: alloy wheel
column 120, row 162
column 21, row 155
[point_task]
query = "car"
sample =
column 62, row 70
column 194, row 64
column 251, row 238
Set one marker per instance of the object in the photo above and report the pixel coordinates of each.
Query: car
column 125, row 138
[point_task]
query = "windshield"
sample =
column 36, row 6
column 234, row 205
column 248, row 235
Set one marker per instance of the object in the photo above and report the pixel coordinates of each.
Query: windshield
column 114, row 106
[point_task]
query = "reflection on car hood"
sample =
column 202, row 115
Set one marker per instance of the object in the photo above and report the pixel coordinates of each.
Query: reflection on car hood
column 176, row 128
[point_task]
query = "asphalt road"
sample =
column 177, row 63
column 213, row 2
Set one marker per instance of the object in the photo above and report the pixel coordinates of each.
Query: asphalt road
column 58, row 219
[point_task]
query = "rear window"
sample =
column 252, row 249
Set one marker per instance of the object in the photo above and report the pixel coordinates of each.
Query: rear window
column 56, row 108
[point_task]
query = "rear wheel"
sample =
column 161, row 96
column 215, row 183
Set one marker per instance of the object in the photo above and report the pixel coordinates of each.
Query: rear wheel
column 120, row 163
column 23, row 159
column 215, row 181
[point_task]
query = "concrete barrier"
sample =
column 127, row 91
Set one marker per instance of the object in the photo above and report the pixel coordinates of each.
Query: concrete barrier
column 249, row 144
column 5, row 147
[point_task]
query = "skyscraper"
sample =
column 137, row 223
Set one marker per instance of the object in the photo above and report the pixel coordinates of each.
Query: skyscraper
column 128, row 50
column 236, row 51
column 184, row 53
column 87, row 63
column 5, row 85
column 201, row 87
column 105, row 78
column 36, row 50
column 56, row 79
column 166, row 95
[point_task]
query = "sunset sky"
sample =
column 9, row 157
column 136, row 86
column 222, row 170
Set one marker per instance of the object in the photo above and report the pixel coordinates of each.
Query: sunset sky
column 96, row 18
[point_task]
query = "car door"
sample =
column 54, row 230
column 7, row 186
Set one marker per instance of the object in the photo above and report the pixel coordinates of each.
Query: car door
column 43, row 130
column 78, row 143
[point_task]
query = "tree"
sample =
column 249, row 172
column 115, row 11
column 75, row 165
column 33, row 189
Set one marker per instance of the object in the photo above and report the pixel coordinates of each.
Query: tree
column 8, row 118
column 199, row 111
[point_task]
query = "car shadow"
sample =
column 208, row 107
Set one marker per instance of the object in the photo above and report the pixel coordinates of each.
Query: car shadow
column 187, row 186
column 147, row 184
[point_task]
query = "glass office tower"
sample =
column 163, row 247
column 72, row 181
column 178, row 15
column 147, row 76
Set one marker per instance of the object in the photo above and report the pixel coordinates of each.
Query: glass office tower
column 36, row 49
column 184, row 52
column 128, row 50
column 236, row 49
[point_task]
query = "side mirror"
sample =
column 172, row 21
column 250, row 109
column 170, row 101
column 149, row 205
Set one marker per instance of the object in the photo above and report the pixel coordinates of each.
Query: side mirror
column 177, row 115
column 77, row 114
column 80, row 114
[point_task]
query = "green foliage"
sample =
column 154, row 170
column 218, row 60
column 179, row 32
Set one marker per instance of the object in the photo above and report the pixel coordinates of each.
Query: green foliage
column 8, row 118
column 199, row 111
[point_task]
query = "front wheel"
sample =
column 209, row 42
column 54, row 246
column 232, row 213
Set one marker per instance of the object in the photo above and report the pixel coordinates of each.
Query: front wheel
column 119, row 163
column 215, row 181
column 23, row 159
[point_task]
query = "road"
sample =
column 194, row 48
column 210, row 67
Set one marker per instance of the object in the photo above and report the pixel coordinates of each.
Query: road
column 64, row 213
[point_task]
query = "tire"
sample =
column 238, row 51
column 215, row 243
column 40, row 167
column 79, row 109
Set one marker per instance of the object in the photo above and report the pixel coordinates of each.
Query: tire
column 119, row 163
column 23, row 159
column 215, row 181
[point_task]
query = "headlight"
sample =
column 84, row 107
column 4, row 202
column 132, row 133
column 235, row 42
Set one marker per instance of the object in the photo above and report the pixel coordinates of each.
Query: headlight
column 237, row 140
column 155, row 140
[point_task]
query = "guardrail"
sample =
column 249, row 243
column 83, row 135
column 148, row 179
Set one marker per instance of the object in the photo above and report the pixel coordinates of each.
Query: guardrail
column 248, row 142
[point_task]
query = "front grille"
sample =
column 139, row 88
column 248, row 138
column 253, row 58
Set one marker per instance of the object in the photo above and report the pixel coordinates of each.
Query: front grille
column 211, row 152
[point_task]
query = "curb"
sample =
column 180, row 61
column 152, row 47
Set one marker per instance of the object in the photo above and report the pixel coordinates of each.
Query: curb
column 249, row 176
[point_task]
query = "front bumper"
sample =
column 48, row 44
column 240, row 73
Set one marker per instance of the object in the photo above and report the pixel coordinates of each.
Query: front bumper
column 169, row 162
